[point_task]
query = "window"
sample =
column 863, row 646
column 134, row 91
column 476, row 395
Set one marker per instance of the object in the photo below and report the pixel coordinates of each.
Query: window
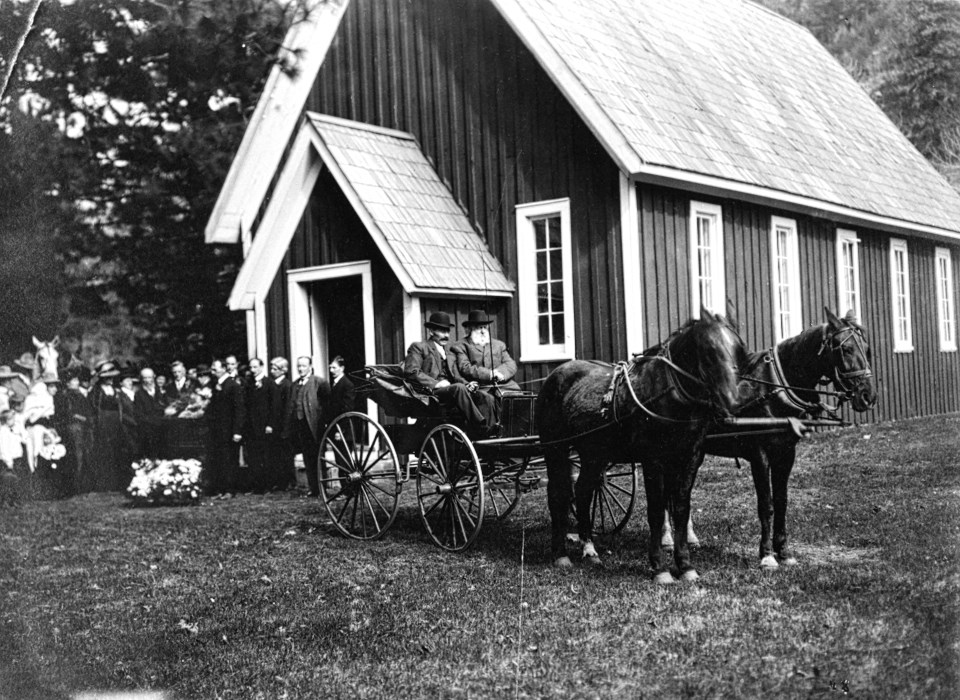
column 706, row 258
column 900, row 290
column 788, row 319
column 848, row 272
column 946, row 319
column 545, row 281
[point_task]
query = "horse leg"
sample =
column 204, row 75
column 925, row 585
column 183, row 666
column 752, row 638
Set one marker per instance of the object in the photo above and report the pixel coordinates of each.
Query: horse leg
column 780, row 469
column 558, row 500
column 666, row 538
column 653, row 487
column 586, row 488
column 679, row 503
column 760, row 468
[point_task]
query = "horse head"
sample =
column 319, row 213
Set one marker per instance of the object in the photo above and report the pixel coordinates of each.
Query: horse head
column 45, row 367
column 711, row 351
column 849, row 355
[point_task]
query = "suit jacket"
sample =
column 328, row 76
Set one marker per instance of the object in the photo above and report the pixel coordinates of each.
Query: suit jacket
column 313, row 397
column 128, row 412
column 225, row 412
column 477, row 364
column 148, row 409
column 424, row 365
column 342, row 398
column 281, row 407
column 173, row 394
column 261, row 401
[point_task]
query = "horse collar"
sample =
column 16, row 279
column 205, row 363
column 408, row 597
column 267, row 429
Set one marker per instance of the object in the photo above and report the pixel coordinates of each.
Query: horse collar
column 784, row 390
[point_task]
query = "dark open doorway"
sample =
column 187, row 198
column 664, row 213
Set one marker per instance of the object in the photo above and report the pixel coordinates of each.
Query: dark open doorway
column 337, row 310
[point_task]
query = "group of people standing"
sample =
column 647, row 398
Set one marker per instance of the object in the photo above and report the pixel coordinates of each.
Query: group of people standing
column 114, row 417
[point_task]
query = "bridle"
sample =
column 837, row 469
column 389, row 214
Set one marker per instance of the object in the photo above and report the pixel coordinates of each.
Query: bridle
column 842, row 377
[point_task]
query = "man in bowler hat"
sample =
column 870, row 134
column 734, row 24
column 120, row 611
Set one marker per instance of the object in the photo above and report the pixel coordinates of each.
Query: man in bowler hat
column 430, row 365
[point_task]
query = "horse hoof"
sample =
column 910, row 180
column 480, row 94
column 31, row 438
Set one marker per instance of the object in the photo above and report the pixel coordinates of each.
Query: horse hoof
column 573, row 537
column 664, row 578
column 693, row 541
column 788, row 561
column 563, row 563
column 689, row 576
column 769, row 563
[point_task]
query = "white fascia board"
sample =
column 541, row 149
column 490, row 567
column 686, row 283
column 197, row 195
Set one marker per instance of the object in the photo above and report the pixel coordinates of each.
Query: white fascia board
column 632, row 270
column 596, row 119
column 360, row 208
column 718, row 187
column 279, row 224
column 272, row 124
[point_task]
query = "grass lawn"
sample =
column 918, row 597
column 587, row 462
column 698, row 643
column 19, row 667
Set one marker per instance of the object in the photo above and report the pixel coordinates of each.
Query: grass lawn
column 256, row 597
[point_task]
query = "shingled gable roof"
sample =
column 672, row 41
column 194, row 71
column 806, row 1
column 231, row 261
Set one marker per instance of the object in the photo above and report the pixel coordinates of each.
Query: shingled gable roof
column 727, row 94
column 720, row 96
column 422, row 232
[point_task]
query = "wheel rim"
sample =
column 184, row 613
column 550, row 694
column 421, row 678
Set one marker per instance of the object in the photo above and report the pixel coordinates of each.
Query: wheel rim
column 359, row 476
column 450, row 490
column 613, row 501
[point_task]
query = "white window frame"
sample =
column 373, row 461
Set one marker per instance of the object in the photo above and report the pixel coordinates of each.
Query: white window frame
column 946, row 311
column 531, row 350
column 790, row 269
column 846, row 237
column 718, row 292
column 902, row 313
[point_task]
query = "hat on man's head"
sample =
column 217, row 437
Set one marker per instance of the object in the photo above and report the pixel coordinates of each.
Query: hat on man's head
column 477, row 318
column 26, row 361
column 107, row 369
column 440, row 320
column 7, row 373
column 203, row 370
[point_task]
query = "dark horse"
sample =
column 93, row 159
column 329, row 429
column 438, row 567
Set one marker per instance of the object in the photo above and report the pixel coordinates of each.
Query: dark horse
column 781, row 383
column 655, row 410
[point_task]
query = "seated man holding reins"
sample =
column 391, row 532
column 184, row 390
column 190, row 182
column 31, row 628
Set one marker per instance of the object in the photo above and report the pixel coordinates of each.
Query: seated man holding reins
column 431, row 366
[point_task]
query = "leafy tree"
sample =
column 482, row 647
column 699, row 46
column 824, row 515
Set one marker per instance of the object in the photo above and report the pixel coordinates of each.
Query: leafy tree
column 143, row 105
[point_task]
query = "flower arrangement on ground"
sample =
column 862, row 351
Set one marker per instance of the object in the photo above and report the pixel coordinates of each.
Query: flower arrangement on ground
column 165, row 482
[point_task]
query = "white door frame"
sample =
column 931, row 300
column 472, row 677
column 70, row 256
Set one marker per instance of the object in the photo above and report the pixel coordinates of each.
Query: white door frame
column 308, row 334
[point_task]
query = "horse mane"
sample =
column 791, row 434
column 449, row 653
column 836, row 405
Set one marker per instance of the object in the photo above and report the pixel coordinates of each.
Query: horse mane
column 694, row 347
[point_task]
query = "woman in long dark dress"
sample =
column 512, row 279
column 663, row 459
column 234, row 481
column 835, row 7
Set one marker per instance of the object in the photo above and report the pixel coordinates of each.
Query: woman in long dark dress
column 109, row 443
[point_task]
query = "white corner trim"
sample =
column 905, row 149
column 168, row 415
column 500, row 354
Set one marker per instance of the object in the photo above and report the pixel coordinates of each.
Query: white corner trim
column 279, row 224
column 596, row 119
column 412, row 326
column 272, row 124
column 632, row 268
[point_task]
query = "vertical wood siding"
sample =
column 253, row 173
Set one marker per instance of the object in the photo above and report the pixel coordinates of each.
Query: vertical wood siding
column 497, row 131
column 923, row 382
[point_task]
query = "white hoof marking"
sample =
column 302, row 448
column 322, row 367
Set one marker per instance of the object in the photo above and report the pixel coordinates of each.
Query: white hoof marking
column 769, row 562
column 666, row 540
column 689, row 576
column 563, row 563
column 664, row 578
column 789, row 561
column 589, row 550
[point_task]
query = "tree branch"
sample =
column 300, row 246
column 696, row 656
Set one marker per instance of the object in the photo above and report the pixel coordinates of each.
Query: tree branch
column 21, row 40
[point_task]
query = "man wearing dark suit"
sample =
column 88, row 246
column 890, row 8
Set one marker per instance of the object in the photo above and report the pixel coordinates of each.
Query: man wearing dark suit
column 343, row 396
column 225, row 420
column 261, row 395
column 279, row 450
column 181, row 385
column 305, row 418
column 429, row 365
column 148, row 406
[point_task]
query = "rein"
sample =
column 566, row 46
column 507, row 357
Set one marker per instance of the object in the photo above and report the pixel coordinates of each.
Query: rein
column 787, row 393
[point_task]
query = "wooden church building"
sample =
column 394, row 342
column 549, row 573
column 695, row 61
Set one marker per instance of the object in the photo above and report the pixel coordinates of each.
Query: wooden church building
column 589, row 173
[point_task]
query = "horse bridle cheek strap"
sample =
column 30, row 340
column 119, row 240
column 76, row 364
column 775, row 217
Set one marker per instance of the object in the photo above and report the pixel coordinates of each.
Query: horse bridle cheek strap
column 621, row 372
column 841, row 377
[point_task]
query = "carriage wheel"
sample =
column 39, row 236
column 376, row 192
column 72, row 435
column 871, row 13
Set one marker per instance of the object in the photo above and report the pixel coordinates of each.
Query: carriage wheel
column 502, row 485
column 359, row 476
column 450, row 489
column 613, row 501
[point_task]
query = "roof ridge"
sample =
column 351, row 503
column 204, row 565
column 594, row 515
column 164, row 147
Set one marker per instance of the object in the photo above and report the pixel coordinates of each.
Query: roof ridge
column 359, row 126
column 776, row 14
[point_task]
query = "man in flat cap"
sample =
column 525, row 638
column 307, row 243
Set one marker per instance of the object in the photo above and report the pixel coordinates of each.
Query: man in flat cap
column 430, row 365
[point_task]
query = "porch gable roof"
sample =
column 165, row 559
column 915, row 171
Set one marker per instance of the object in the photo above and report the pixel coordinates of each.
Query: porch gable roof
column 422, row 232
